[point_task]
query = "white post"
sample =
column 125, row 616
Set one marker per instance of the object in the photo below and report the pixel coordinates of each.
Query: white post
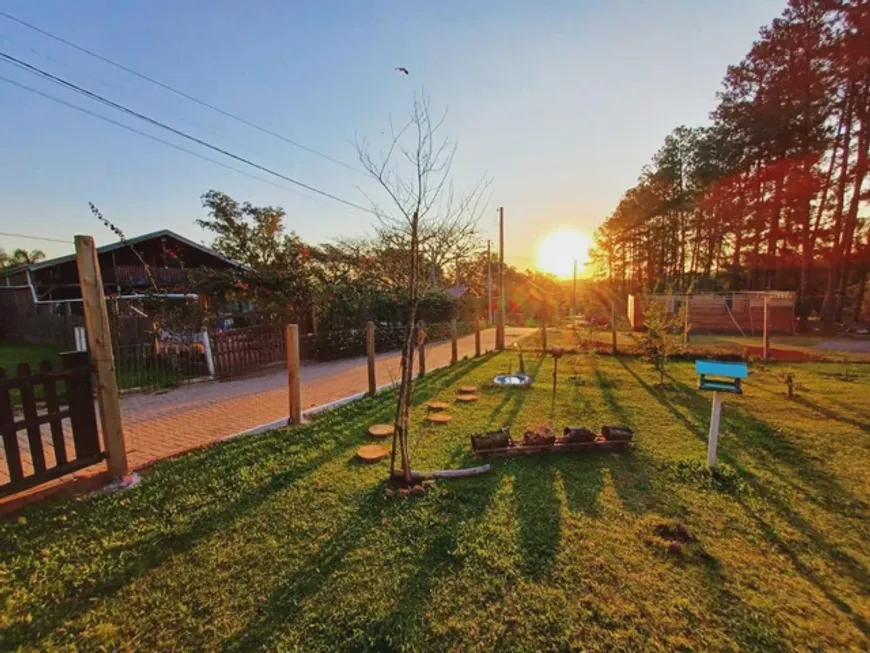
column 714, row 429
column 209, row 357
column 81, row 338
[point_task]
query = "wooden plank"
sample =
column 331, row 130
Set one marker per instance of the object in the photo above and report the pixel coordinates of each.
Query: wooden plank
column 53, row 406
column 9, row 433
column 100, row 349
column 80, row 400
column 28, row 407
column 50, row 475
column 40, row 419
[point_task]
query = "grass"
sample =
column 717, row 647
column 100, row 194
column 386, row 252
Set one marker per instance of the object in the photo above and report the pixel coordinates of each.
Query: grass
column 283, row 542
column 141, row 373
column 12, row 355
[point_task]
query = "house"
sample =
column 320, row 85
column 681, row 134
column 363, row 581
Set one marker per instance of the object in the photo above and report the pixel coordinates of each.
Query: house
column 52, row 286
column 737, row 312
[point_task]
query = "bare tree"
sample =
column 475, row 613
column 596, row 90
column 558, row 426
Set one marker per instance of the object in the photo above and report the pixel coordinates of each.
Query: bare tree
column 423, row 216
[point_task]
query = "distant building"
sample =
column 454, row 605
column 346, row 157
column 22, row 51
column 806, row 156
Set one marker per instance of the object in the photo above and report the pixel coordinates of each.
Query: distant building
column 53, row 284
column 739, row 312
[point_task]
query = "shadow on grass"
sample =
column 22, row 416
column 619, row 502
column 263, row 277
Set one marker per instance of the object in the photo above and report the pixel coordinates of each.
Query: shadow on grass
column 411, row 522
column 538, row 515
column 186, row 500
column 771, row 450
column 831, row 414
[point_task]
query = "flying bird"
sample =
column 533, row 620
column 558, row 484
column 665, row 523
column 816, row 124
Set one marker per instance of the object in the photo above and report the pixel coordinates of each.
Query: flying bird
column 402, row 70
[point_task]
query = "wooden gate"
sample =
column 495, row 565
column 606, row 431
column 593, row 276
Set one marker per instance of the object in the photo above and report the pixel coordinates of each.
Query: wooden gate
column 39, row 406
column 241, row 351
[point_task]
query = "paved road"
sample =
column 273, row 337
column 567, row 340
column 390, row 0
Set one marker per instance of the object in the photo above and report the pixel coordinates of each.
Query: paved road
column 158, row 425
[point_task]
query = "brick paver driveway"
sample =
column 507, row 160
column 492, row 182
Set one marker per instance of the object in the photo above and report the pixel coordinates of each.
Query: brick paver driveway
column 160, row 425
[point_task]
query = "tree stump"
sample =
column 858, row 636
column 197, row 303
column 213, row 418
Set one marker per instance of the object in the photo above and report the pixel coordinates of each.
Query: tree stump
column 438, row 418
column 372, row 453
column 435, row 406
column 465, row 398
column 381, row 430
column 467, row 389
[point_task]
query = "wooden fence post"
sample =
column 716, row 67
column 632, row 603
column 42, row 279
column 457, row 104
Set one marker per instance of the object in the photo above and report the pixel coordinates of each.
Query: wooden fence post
column 207, row 352
column 765, row 347
column 370, row 352
column 100, row 347
column 454, row 344
column 544, row 335
column 293, row 383
column 476, row 336
column 421, row 349
column 686, row 320
column 613, row 326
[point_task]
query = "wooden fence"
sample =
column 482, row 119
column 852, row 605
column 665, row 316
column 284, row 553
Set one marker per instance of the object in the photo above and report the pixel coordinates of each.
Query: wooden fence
column 240, row 351
column 49, row 398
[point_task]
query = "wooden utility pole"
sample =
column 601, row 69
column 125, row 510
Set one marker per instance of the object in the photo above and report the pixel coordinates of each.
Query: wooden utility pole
column 765, row 347
column 488, row 283
column 293, row 381
column 370, row 352
column 499, row 333
column 100, row 349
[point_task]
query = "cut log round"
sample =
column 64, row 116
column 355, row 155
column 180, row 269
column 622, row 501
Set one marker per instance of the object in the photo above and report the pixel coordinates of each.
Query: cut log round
column 372, row 453
column 438, row 418
column 467, row 389
column 466, row 398
column 437, row 405
column 381, row 430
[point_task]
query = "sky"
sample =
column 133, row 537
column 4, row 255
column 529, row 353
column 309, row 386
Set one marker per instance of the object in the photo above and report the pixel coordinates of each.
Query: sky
column 559, row 103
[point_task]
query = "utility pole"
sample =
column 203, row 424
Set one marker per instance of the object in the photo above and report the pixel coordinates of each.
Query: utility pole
column 574, row 293
column 488, row 283
column 499, row 334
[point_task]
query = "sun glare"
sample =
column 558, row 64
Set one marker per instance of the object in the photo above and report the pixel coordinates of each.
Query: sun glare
column 558, row 250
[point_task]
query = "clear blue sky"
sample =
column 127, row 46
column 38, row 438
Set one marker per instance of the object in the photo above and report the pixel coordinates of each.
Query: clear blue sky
column 560, row 102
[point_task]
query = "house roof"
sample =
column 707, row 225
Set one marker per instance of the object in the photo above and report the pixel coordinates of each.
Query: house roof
column 114, row 246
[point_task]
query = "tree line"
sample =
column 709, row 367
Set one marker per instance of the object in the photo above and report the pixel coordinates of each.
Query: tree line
column 772, row 194
column 344, row 283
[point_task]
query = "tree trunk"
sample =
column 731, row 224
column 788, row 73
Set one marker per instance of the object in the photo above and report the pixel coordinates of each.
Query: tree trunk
column 852, row 217
column 836, row 232
column 403, row 402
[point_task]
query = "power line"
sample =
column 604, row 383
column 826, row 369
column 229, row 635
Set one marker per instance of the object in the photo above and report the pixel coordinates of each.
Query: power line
column 78, row 89
column 48, row 240
column 150, row 136
column 178, row 92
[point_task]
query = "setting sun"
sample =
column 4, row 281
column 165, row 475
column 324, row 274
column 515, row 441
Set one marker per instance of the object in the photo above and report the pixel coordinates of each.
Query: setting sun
column 558, row 250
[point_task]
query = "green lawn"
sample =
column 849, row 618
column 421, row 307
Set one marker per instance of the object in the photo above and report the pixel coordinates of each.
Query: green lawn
column 12, row 355
column 283, row 542
column 133, row 373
